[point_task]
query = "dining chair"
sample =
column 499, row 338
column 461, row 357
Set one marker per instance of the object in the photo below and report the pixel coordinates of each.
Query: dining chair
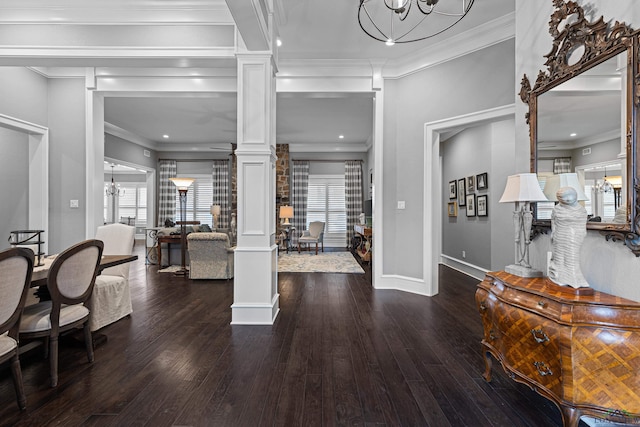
column 111, row 297
column 70, row 281
column 16, row 266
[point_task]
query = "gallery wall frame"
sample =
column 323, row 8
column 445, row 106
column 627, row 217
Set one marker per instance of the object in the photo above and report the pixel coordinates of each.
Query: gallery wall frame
column 471, row 184
column 482, row 182
column 482, row 205
column 471, row 205
column 461, row 192
column 453, row 190
column 452, row 209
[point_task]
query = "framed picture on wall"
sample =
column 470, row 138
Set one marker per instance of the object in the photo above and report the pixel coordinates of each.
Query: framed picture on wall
column 471, row 205
column 452, row 209
column 453, row 190
column 481, row 201
column 471, row 184
column 481, row 181
column 461, row 192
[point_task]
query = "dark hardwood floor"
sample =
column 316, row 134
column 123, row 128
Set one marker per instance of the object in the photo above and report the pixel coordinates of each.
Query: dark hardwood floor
column 340, row 353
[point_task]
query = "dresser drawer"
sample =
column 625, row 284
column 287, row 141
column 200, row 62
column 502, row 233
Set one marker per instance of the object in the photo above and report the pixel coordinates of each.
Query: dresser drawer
column 531, row 346
column 607, row 362
column 536, row 303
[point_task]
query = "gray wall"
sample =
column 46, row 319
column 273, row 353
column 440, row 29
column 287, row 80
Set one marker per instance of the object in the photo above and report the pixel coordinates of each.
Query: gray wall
column 602, row 152
column 607, row 266
column 14, row 176
column 465, row 154
column 127, row 151
column 67, row 174
column 23, row 94
column 475, row 82
column 486, row 148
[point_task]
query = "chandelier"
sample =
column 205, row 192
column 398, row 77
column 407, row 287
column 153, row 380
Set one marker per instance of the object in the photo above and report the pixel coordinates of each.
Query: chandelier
column 113, row 189
column 389, row 21
column 604, row 186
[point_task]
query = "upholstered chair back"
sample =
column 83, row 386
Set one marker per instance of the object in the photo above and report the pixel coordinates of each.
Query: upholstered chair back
column 316, row 228
column 16, row 265
column 118, row 239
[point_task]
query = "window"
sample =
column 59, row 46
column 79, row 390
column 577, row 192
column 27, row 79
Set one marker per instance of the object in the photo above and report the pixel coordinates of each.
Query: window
column 199, row 200
column 133, row 203
column 325, row 203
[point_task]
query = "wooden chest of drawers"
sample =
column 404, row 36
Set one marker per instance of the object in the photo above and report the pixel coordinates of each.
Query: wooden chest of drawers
column 581, row 352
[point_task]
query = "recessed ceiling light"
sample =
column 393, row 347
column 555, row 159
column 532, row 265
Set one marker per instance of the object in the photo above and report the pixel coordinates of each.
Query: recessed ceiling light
column 165, row 136
column 278, row 42
column 341, row 136
column 574, row 134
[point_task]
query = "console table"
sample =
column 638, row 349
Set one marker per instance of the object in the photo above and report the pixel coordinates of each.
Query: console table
column 168, row 239
column 580, row 351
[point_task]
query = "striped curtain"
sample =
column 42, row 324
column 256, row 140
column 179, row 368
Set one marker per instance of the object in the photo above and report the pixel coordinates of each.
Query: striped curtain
column 352, row 195
column 562, row 165
column 166, row 191
column 299, row 191
column 221, row 191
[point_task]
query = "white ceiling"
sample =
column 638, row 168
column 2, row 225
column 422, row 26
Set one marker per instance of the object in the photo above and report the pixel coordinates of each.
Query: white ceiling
column 309, row 30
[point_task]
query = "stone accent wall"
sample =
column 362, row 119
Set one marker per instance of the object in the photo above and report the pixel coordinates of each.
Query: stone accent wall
column 283, row 189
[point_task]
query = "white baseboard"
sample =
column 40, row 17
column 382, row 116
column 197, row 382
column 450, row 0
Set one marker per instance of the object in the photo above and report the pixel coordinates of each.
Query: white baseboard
column 463, row 267
column 402, row 283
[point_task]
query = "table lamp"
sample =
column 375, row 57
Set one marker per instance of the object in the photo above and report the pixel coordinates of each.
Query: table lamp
column 522, row 189
column 183, row 185
column 215, row 213
column 286, row 213
column 556, row 182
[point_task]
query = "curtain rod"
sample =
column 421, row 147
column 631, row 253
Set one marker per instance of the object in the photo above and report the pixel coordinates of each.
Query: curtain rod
column 327, row 161
column 190, row 160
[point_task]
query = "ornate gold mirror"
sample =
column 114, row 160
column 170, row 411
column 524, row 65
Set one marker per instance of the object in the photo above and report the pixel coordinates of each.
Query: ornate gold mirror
column 583, row 119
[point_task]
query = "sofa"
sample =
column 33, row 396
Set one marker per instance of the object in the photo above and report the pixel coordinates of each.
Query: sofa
column 210, row 256
column 175, row 247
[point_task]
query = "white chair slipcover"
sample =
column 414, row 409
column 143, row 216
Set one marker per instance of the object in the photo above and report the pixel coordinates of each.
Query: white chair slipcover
column 111, row 298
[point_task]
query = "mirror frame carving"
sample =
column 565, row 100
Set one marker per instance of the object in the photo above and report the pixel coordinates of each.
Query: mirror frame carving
column 600, row 42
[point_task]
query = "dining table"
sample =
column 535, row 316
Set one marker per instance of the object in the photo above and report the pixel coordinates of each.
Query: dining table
column 40, row 273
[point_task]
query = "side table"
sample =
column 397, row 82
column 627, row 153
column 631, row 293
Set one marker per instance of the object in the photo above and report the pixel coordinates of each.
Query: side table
column 151, row 247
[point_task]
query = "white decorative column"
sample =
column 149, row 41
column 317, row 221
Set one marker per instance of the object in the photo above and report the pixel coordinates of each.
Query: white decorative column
column 255, row 300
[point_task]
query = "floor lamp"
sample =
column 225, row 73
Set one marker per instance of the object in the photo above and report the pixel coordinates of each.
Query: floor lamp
column 523, row 189
column 183, row 185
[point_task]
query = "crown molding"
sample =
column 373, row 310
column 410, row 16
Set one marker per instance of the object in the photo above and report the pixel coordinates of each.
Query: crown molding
column 327, row 148
column 478, row 38
column 114, row 130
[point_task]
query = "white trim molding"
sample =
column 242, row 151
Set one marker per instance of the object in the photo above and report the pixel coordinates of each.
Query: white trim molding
column 38, row 139
column 464, row 267
column 432, row 199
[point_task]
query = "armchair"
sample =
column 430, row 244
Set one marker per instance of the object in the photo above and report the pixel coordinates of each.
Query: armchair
column 210, row 256
column 315, row 234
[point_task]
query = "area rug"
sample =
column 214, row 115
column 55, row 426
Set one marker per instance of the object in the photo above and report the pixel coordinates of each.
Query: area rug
column 327, row 262
column 171, row 269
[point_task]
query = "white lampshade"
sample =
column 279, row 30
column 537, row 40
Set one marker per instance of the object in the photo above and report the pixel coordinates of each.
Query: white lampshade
column 286, row 213
column 215, row 210
column 523, row 187
column 182, row 183
column 556, row 182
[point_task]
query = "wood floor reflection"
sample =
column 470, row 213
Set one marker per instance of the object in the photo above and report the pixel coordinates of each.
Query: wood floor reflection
column 340, row 353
